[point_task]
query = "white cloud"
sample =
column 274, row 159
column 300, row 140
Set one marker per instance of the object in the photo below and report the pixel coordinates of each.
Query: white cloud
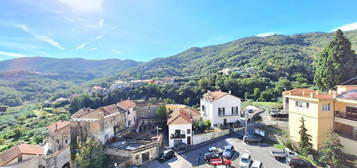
column 81, row 46
column 11, row 54
column 84, row 5
column 347, row 27
column 93, row 49
column 267, row 34
column 43, row 38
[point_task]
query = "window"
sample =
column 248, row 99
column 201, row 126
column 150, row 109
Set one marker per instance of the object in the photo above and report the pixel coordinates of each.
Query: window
column 188, row 131
column 221, row 111
column 136, row 157
column 128, row 112
column 19, row 159
column 301, row 104
column 177, row 132
column 66, row 141
column 203, row 108
column 235, row 110
column 326, row 107
column 129, row 123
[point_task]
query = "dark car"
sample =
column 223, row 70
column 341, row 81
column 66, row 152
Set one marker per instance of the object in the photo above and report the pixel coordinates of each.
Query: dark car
column 228, row 152
column 252, row 139
column 180, row 147
column 299, row 163
column 210, row 155
column 166, row 155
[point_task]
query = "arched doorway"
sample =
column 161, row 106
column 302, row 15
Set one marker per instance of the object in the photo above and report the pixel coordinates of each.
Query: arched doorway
column 67, row 165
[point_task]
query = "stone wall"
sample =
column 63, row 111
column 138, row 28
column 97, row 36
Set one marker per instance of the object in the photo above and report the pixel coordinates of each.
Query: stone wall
column 199, row 138
column 58, row 159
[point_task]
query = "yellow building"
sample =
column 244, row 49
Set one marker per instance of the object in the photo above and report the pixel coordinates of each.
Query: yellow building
column 323, row 112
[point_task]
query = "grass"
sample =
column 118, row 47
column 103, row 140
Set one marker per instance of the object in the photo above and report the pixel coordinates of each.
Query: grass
column 279, row 146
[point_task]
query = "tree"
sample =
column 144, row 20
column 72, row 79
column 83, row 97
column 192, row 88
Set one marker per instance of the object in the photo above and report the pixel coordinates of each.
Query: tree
column 305, row 145
column 161, row 113
column 90, row 155
column 331, row 153
column 336, row 63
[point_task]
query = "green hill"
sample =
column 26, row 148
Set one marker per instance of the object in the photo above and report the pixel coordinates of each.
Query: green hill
column 277, row 53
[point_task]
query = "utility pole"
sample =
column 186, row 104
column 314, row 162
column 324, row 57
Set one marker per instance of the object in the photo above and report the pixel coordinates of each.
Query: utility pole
column 246, row 121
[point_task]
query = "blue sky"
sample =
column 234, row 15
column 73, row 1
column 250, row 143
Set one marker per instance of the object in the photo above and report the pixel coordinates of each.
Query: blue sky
column 146, row 29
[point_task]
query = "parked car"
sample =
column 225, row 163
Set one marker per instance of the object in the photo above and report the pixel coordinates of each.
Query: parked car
column 166, row 155
column 215, row 149
column 210, row 155
column 257, row 164
column 299, row 163
column 283, row 154
column 180, row 146
column 252, row 139
column 220, row 161
column 228, row 152
column 245, row 161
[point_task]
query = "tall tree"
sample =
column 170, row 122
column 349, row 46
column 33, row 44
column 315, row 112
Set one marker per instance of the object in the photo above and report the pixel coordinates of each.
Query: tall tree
column 336, row 63
column 305, row 145
column 331, row 153
column 90, row 155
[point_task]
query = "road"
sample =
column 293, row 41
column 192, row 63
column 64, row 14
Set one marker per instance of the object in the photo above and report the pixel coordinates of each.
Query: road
column 259, row 152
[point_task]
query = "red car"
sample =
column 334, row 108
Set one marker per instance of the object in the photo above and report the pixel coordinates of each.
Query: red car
column 220, row 161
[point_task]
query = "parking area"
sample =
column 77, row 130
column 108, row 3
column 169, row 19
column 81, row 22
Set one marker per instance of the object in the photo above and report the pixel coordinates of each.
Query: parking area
column 194, row 158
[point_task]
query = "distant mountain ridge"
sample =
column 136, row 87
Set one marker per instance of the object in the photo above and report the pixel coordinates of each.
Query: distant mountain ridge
column 55, row 65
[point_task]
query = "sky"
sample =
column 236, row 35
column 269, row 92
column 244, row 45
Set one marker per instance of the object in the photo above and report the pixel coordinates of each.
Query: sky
column 142, row 30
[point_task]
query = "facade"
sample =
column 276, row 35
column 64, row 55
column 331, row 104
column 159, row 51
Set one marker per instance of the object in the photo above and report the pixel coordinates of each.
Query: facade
column 100, row 124
column 220, row 107
column 57, row 152
column 324, row 112
column 129, row 106
column 180, row 125
column 22, row 156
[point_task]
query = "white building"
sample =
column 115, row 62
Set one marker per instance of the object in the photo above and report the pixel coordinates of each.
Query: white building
column 180, row 125
column 220, row 107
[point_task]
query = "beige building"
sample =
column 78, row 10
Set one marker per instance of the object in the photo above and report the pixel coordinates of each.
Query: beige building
column 21, row 156
column 322, row 113
column 57, row 152
column 100, row 124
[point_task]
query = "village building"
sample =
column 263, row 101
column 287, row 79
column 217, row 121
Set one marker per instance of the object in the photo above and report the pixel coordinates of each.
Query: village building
column 100, row 124
column 180, row 125
column 130, row 107
column 22, row 156
column 323, row 112
column 57, row 152
column 221, row 108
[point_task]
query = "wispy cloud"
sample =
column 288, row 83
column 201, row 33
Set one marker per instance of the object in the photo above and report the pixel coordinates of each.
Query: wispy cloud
column 101, row 23
column 93, row 49
column 84, row 6
column 11, row 54
column 43, row 38
column 84, row 44
column 267, row 34
column 347, row 27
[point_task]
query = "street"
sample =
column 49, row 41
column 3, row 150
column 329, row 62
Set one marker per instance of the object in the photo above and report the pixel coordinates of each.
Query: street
column 194, row 158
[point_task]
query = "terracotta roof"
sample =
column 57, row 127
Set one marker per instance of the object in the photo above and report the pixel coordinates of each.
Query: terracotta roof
column 127, row 104
column 182, row 116
column 212, row 96
column 308, row 93
column 60, row 126
column 95, row 114
column 15, row 151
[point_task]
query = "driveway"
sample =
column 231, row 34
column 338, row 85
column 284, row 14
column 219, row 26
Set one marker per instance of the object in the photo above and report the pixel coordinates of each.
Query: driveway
column 194, row 158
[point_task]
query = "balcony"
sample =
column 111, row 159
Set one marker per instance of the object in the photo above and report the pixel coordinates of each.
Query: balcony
column 346, row 115
column 177, row 136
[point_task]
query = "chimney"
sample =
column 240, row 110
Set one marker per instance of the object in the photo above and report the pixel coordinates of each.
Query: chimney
column 303, row 92
column 329, row 91
column 317, row 92
column 312, row 95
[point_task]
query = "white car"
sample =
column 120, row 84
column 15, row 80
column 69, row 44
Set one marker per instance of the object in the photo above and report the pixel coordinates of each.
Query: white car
column 257, row 164
column 245, row 161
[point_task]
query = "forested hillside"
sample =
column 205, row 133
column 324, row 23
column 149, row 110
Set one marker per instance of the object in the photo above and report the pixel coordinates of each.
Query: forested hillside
column 284, row 55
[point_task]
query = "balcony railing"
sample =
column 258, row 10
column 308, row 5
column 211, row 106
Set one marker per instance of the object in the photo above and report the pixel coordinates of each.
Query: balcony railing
column 346, row 115
column 346, row 135
column 177, row 136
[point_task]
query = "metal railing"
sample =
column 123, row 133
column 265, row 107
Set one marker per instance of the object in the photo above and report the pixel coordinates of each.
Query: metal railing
column 346, row 115
column 177, row 136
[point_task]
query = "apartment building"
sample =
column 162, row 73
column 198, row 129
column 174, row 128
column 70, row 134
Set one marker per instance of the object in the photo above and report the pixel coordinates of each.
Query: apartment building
column 323, row 112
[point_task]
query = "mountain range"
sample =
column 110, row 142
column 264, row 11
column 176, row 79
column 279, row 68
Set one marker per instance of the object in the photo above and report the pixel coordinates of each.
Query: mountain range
column 277, row 55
